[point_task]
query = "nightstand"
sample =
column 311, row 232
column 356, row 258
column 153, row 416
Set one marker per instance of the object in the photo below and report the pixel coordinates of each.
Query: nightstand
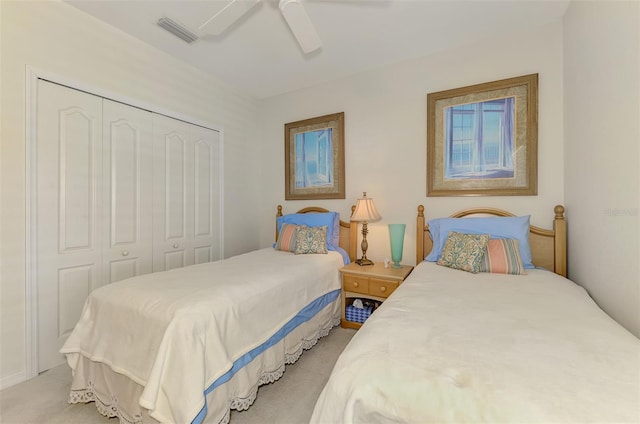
column 369, row 282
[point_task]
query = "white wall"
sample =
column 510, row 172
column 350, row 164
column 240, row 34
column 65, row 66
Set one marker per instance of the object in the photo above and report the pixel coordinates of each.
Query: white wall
column 602, row 139
column 385, row 133
column 58, row 38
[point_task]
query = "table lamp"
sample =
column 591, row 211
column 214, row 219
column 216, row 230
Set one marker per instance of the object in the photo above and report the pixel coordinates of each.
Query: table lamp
column 365, row 212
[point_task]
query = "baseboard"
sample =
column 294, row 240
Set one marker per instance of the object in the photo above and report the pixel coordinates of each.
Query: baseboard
column 12, row 380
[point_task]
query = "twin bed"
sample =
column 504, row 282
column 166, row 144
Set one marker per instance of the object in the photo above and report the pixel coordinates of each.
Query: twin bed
column 451, row 346
column 188, row 345
column 447, row 346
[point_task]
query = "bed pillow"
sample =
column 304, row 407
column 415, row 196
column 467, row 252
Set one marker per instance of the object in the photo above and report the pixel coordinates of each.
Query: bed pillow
column 502, row 256
column 516, row 227
column 287, row 237
column 330, row 219
column 311, row 240
column 464, row 251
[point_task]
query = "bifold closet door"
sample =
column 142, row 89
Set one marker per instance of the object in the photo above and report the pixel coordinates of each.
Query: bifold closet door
column 69, row 212
column 120, row 192
column 206, row 197
column 186, row 194
column 128, row 189
column 94, row 204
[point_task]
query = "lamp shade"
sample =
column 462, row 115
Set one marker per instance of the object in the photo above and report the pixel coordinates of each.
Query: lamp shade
column 365, row 210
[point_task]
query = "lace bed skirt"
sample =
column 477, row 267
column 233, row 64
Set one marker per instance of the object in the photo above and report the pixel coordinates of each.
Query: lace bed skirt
column 117, row 396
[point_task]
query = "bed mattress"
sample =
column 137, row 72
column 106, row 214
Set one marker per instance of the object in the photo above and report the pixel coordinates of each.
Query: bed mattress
column 449, row 347
column 178, row 334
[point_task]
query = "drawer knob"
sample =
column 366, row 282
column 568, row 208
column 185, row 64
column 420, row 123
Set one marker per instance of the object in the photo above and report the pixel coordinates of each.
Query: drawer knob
column 355, row 284
column 125, row 253
column 175, row 246
column 383, row 289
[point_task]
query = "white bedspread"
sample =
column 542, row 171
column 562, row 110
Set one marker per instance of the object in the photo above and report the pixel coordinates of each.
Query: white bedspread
column 453, row 347
column 176, row 332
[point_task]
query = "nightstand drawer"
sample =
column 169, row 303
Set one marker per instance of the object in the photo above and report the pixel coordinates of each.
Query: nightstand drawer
column 382, row 288
column 373, row 283
column 356, row 284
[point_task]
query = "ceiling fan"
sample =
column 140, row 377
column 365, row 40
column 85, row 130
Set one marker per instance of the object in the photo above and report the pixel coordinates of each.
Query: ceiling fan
column 292, row 10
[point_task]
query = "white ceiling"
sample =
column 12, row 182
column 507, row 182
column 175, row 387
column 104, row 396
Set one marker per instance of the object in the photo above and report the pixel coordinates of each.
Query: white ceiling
column 259, row 56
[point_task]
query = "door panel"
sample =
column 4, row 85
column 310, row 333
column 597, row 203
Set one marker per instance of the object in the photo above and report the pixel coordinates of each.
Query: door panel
column 128, row 185
column 173, row 193
column 77, row 148
column 69, row 212
column 206, row 231
column 174, row 259
column 203, row 175
column 176, row 145
column 186, row 194
column 122, row 269
column 74, row 285
column 125, row 182
column 202, row 254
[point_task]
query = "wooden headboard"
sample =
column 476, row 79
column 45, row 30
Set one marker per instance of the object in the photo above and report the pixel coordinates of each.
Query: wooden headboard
column 548, row 247
column 348, row 232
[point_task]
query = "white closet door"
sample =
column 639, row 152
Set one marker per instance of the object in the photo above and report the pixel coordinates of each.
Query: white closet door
column 206, row 231
column 186, row 194
column 173, row 194
column 69, row 212
column 128, row 185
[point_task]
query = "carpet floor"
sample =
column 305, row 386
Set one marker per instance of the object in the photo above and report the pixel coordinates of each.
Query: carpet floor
column 289, row 400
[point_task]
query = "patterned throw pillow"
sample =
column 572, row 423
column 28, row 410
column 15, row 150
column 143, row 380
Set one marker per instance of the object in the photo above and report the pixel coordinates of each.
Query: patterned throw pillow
column 464, row 251
column 502, row 256
column 311, row 240
column 287, row 237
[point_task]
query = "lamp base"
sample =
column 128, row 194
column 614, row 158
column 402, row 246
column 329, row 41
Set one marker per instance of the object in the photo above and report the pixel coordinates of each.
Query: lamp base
column 364, row 261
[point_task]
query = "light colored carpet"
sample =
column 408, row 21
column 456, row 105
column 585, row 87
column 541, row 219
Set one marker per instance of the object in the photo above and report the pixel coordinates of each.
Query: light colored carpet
column 289, row 400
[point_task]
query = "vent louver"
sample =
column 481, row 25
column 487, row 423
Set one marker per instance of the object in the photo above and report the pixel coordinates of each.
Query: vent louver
column 178, row 30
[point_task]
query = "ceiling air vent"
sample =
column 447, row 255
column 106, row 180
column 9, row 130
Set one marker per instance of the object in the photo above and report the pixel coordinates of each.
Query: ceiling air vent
column 178, row 30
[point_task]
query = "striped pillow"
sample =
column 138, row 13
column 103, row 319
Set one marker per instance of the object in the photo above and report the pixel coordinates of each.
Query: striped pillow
column 502, row 256
column 287, row 237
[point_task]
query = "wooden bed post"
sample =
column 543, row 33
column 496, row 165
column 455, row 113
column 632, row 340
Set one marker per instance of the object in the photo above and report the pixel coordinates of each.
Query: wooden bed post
column 278, row 214
column 420, row 235
column 560, row 241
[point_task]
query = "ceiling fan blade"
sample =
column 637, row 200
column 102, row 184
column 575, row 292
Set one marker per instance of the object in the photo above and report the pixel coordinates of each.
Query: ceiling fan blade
column 300, row 25
column 222, row 20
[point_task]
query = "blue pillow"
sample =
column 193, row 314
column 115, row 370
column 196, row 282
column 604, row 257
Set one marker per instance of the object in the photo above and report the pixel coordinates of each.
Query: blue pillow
column 516, row 227
column 330, row 219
